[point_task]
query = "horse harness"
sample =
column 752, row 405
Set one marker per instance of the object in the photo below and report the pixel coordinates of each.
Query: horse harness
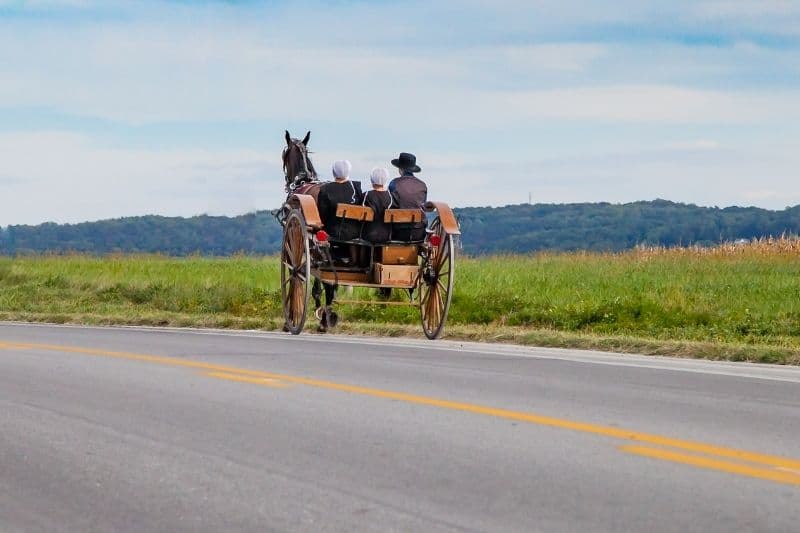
column 305, row 175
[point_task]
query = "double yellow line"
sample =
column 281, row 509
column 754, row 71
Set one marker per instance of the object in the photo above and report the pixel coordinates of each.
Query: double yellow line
column 741, row 462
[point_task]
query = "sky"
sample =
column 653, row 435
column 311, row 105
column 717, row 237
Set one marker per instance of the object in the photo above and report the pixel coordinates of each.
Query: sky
column 111, row 108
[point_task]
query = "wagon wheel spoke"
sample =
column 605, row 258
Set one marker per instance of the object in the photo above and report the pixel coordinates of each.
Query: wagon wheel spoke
column 288, row 285
column 432, row 306
column 427, row 315
column 442, row 288
column 437, row 309
column 426, row 295
column 301, row 272
column 443, row 261
column 424, row 298
column 300, row 293
column 295, row 252
column 438, row 304
column 297, row 299
column 287, row 248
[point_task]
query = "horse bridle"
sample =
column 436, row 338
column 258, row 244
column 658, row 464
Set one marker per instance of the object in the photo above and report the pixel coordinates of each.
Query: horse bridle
column 285, row 156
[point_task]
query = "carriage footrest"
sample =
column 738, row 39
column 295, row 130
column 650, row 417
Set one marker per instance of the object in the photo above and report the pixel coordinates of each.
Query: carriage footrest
column 343, row 277
column 399, row 275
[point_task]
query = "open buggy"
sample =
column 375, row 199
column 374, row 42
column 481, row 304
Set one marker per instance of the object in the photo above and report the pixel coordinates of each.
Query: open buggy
column 424, row 269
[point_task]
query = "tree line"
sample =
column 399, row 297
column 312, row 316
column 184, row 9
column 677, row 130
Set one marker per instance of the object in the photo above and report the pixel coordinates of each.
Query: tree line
column 485, row 230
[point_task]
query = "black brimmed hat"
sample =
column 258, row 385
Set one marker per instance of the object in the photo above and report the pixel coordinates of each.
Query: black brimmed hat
column 406, row 161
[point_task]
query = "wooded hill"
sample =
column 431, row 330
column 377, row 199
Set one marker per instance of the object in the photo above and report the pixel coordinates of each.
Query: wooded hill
column 514, row 228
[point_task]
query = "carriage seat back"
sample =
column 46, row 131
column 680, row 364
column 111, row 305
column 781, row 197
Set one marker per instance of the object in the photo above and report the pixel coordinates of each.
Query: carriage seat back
column 357, row 216
column 405, row 225
column 403, row 216
column 359, row 213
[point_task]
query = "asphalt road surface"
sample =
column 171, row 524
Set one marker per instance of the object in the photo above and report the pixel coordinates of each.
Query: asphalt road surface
column 123, row 429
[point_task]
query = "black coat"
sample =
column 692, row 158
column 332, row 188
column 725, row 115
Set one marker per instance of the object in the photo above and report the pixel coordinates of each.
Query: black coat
column 377, row 231
column 409, row 192
column 330, row 195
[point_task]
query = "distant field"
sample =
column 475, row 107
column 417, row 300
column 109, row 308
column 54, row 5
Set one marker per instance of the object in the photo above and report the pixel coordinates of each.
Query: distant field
column 732, row 302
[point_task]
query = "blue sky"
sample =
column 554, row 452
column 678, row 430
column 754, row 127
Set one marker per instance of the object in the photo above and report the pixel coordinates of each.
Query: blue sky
column 111, row 109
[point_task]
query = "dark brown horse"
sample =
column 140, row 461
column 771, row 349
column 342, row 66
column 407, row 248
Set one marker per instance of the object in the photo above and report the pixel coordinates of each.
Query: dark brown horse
column 299, row 172
column 301, row 178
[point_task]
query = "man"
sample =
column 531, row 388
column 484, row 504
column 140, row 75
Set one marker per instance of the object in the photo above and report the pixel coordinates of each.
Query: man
column 409, row 192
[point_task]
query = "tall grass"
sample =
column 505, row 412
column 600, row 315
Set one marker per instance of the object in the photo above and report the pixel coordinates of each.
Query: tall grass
column 747, row 293
column 127, row 287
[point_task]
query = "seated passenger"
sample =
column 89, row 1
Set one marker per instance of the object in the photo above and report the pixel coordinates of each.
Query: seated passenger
column 379, row 199
column 409, row 192
column 339, row 191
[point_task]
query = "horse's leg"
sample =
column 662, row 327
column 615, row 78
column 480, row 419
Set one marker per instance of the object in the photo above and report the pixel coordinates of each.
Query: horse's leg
column 327, row 316
column 330, row 293
column 316, row 293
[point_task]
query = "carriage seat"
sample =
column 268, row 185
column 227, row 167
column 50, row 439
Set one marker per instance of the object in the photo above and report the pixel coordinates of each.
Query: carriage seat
column 401, row 221
column 351, row 253
column 358, row 213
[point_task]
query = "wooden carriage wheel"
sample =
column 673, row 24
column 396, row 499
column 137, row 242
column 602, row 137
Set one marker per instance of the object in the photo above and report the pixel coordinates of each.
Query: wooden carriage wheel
column 295, row 271
column 436, row 282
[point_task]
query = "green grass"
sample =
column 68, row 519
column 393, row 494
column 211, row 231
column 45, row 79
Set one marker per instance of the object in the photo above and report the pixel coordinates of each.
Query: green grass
column 741, row 304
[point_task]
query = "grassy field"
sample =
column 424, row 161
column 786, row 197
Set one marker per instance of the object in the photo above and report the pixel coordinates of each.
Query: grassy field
column 730, row 302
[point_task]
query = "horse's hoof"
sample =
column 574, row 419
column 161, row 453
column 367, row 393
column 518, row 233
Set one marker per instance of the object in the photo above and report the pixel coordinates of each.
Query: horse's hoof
column 322, row 329
column 285, row 328
column 331, row 317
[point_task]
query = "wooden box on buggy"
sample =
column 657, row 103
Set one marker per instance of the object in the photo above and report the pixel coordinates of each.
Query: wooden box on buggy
column 424, row 266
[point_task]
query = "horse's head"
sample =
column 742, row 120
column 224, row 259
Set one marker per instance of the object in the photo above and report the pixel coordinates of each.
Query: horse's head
column 297, row 166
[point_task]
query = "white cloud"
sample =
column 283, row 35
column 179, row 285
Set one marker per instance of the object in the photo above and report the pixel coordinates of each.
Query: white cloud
column 147, row 74
column 660, row 104
column 65, row 177
column 746, row 9
column 484, row 89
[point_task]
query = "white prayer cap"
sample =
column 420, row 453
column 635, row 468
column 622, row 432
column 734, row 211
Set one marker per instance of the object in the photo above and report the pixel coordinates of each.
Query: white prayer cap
column 341, row 169
column 379, row 176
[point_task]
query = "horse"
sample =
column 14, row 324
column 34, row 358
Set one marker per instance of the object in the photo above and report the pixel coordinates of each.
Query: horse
column 301, row 178
column 299, row 172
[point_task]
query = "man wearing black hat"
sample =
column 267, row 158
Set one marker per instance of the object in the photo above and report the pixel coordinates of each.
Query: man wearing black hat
column 409, row 192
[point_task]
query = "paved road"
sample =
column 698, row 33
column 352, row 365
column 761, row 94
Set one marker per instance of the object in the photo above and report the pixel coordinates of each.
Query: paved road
column 118, row 429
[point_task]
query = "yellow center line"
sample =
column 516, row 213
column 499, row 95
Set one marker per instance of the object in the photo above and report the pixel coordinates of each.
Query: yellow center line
column 777, row 462
column 771, row 474
column 269, row 382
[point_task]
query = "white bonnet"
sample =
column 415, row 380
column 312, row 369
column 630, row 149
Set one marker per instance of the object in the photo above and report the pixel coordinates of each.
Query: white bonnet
column 341, row 168
column 379, row 176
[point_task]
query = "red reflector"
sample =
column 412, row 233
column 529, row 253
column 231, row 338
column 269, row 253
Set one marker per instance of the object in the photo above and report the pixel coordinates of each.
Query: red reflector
column 322, row 235
column 436, row 240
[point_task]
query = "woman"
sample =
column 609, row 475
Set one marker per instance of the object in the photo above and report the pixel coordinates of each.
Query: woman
column 339, row 191
column 379, row 199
